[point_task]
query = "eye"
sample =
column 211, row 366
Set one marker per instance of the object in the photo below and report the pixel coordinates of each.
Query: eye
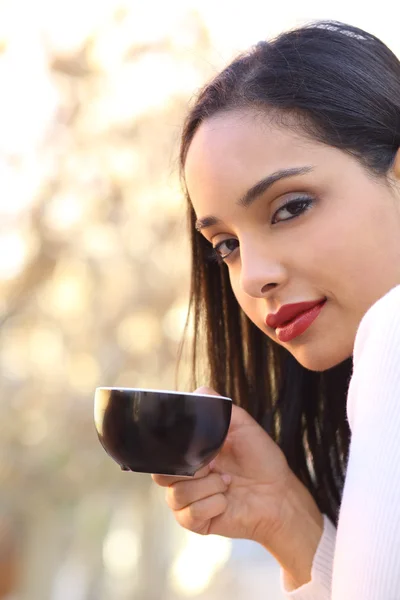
column 224, row 249
column 297, row 206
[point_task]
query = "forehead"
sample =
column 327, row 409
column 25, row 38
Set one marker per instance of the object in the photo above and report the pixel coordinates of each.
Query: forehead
column 230, row 151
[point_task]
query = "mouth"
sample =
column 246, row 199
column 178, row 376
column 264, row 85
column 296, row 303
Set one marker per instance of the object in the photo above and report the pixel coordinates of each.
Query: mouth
column 294, row 318
column 290, row 320
column 299, row 324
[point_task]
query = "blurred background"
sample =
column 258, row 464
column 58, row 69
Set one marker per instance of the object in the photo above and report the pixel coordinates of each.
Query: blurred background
column 94, row 282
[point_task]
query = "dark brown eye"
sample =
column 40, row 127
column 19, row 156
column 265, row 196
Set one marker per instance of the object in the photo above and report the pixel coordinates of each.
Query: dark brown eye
column 297, row 206
column 226, row 247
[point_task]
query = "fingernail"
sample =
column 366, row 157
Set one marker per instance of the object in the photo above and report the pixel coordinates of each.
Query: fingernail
column 226, row 478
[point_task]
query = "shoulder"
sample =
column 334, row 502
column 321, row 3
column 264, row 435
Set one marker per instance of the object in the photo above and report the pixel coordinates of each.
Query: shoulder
column 380, row 324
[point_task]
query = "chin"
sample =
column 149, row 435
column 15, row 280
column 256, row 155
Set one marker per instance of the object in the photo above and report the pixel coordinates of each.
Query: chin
column 318, row 365
column 320, row 361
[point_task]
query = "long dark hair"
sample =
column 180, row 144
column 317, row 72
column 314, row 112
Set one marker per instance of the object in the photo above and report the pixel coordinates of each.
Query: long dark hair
column 341, row 86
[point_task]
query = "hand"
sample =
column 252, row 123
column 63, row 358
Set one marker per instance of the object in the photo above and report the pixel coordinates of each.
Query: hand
column 243, row 493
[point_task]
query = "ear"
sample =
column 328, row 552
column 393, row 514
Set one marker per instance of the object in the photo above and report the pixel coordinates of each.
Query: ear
column 396, row 166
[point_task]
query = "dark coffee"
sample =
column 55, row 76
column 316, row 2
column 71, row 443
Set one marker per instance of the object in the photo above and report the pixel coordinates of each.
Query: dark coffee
column 161, row 432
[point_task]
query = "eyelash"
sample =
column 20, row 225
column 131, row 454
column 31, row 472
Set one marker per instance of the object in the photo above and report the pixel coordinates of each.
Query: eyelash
column 306, row 201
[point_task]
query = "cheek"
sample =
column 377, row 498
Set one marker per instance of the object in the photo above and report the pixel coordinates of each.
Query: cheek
column 243, row 299
column 341, row 247
column 235, row 285
column 249, row 305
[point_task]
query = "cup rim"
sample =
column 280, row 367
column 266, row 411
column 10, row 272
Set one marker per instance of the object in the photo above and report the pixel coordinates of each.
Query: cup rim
column 126, row 389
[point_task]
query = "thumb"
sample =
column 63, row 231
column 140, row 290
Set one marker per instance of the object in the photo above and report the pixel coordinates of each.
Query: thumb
column 208, row 391
column 239, row 418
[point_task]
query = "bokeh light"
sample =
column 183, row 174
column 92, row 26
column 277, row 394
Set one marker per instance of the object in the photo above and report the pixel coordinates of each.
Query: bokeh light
column 121, row 551
column 198, row 561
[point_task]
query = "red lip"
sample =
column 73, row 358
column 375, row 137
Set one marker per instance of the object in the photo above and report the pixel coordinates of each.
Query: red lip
column 290, row 311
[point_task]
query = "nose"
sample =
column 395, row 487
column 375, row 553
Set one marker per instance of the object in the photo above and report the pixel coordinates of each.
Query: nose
column 259, row 273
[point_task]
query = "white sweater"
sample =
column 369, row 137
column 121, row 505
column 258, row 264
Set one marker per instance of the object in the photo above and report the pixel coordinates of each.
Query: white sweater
column 361, row 559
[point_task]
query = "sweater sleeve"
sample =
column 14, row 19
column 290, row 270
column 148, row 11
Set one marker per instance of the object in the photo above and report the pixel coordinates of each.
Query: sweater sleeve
column 367, row 553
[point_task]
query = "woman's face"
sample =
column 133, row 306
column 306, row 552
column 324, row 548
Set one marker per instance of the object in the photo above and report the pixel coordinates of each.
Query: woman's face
column 341, row 241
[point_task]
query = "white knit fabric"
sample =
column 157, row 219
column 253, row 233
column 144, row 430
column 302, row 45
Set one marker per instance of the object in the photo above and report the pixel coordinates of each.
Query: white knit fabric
column 361, row 560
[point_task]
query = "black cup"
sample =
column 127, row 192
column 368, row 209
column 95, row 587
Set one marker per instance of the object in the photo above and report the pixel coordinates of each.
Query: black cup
column 155, row 431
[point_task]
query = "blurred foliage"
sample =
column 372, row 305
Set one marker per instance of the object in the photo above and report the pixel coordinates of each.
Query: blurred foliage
column 94, row 255
column 93, row 290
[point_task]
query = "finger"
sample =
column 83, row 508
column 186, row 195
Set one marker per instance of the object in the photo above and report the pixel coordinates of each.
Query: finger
column 197, row 516
column 206, row 390
column 183, row 493
column 167, row 480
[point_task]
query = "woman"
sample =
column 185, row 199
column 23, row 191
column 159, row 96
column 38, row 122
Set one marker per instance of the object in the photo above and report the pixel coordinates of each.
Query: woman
column 291, row 167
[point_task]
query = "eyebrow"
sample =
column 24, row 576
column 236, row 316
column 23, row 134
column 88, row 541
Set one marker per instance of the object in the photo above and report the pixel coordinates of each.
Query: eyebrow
column 255, row 191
